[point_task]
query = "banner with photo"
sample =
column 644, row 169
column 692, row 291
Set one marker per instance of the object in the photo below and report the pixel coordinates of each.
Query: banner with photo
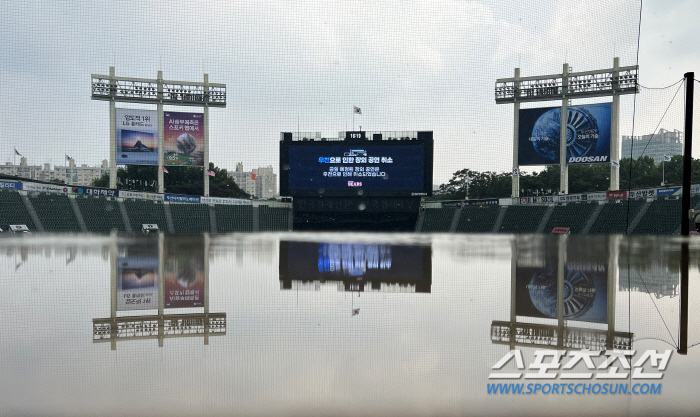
column 183, row 135
column 183, row 259
column 137, row 137
column 137, row 283
column 588, row 135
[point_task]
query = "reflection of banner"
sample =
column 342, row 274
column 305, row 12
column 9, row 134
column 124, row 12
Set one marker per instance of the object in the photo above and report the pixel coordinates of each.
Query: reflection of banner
column 137, row 137
column 588, row 135
column 584, row 293
column 183, row 139
column 10, row 185
column 184, row 271
column 95, row 191
column 137, row 283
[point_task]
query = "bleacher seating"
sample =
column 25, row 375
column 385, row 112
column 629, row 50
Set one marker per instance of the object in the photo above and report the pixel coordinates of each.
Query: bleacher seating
column 233, row 218
column 13, row 211
column 613, row 217
column 190, row 218
column 573, row 215
column 145, row 211
column 477, row 219
column 663, row 217
column 437, row 219
column 55, row 212
column 273, row 218
column 100, row 214
column 522, row 219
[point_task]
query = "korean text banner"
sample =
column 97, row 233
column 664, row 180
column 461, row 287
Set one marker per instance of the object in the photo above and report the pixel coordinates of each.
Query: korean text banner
column 183, row 135
column 184, row 271
column 137, row 137
column 588, row 135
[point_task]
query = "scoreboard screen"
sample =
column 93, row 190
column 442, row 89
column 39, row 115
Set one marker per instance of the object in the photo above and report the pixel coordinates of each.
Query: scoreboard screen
column 356, row 168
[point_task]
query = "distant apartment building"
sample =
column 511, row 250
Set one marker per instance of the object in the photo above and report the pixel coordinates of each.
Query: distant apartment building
column 71, row 174
column 664, row 142
column 260, row 183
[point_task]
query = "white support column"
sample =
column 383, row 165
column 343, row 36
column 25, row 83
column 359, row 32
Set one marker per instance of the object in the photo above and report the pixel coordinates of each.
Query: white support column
column 515, row 191
column 206, row 137
column 112, row 133
column 615, row 129
column 564, row 179
column 161, row 140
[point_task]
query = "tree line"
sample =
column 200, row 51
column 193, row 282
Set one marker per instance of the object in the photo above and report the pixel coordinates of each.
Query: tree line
column 634, row 173
column 178, row 180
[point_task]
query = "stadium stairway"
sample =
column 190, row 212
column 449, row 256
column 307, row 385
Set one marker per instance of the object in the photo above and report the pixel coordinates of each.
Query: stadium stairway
column 125, row 217
column 78, row 215
column 545, row 219
column 591, row 220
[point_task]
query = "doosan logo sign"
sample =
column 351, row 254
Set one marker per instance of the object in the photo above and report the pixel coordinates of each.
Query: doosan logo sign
column 588, row 159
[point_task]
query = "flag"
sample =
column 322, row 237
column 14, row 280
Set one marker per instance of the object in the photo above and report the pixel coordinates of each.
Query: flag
column 667, row 158
column 252, row 176
column 355, row 311
column 68, row 158
column 516, row 171
column 165, row 170
column 356, row 109
column 615, row 164
column 211, row 173
column 17, row 153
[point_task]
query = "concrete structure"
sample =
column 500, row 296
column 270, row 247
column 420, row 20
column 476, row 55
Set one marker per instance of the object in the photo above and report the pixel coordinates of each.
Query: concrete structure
column 74, row 175
column 260, row 183
column 265, row 183
column 664, row 142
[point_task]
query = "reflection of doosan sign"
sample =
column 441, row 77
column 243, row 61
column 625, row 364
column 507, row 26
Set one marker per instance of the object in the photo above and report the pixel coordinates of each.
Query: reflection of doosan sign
column 579, row 293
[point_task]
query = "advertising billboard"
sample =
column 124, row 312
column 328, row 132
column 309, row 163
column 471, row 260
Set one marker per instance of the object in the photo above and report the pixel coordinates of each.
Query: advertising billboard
column 364, row 168
column 183, row 267
column 137, row 137
column 137, row 282
column 183, row 136
column 587, row 137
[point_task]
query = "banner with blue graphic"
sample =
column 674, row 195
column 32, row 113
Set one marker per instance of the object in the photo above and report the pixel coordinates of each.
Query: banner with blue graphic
column 588, row 135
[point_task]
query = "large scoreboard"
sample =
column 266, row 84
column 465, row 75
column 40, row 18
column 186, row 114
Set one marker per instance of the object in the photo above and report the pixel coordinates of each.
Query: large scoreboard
column 357, row 167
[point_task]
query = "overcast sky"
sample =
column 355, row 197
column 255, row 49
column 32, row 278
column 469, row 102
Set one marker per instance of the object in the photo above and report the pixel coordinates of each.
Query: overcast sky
column 302, row 65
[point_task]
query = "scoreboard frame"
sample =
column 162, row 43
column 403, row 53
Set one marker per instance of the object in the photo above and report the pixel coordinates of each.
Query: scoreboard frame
column 424, row 139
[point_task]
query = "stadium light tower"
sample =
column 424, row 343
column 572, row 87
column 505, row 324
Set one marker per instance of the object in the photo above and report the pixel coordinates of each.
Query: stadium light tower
column 613, row 82
column 156, row 91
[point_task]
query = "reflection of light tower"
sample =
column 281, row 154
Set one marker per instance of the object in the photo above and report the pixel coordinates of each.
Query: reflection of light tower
column 156, row 91
column 159, row 326
column 561, row 335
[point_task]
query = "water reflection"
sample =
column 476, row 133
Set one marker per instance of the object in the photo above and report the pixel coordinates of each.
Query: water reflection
column 355, row 266
column 436, row 313
column 136, row 269
column 561, row 282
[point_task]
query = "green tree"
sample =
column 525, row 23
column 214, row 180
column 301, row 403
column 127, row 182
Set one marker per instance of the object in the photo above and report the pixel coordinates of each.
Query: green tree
column 178, row 180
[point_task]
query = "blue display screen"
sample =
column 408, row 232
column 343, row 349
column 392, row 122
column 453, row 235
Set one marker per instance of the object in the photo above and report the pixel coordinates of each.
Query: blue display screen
column 356, row 167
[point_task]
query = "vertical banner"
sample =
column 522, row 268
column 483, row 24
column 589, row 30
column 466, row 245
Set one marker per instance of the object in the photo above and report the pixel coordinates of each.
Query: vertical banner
column 183, row 139
column 588, row 130
column 137, row 282
column 137, row 137
column 183, row 259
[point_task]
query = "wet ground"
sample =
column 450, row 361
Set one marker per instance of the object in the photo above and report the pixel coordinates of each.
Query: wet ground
column 346, row 324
